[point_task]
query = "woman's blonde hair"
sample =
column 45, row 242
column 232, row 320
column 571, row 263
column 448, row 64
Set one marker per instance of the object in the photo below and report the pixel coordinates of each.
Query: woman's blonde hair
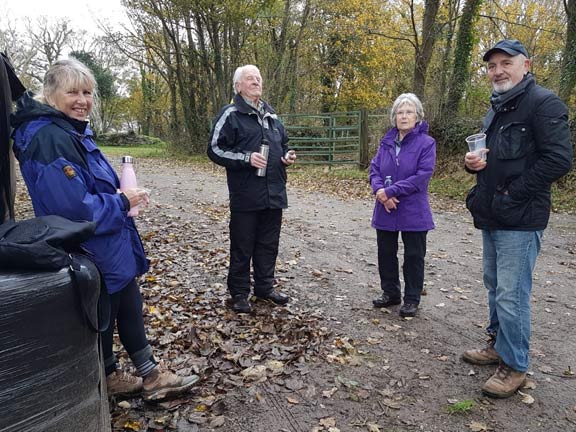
column 68, row 73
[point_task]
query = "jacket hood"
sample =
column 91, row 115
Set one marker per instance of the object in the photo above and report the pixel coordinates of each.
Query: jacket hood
column 420, row 128
column 28, row 109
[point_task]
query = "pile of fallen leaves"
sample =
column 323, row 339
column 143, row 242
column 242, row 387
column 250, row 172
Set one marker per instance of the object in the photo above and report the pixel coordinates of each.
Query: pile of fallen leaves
column 192, row 331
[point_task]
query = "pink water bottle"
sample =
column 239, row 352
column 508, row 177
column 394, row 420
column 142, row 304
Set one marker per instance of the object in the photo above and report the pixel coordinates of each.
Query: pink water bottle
column 128, row 180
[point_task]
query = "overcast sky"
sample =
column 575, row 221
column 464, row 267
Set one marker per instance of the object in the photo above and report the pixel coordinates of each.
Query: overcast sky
column 80, row 12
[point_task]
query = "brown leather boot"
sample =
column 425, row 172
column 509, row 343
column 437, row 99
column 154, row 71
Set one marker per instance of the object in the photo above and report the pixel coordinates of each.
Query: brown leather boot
column 504, row 382
column 120, row 383
column 483, row 356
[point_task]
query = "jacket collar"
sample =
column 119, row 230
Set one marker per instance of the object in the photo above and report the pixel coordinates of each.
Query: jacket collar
column 420, row 128
column 245, row 108
column 506, row 101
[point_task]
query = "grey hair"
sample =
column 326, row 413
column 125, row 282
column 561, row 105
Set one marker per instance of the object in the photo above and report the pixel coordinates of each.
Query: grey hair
column 239, row 72
column 407, row 98
column 68, row 73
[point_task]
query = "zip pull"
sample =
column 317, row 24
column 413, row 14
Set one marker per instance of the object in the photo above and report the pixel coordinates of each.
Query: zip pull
column 397, row 161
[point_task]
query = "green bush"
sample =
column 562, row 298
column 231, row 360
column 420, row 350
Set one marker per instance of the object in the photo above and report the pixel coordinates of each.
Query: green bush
column 450, row 137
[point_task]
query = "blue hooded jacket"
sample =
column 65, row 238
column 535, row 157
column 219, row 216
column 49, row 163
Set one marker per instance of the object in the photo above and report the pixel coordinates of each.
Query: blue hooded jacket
column 410, row 172
column 67, row 175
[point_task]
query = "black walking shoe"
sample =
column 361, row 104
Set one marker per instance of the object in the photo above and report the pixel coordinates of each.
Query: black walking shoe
column 385, row 301
column 276, row 298
column 408, row 310
column 239, row 304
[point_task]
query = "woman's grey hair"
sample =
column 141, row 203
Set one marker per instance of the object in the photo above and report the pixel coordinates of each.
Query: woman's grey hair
column 66, row 74
column 238, row 74
column 407, row 98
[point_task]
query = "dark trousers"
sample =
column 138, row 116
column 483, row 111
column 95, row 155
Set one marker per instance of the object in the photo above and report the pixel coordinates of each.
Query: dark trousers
column 126, row 313
column 413, row 268
column 254, row 237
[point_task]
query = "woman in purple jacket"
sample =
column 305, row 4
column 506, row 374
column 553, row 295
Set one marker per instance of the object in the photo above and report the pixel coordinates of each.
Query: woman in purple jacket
column 399, row 174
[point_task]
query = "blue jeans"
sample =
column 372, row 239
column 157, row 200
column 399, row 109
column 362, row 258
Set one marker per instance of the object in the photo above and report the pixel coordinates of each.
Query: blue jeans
column 509, row 258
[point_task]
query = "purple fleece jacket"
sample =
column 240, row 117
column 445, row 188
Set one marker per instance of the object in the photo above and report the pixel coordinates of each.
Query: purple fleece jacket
column 411, row 171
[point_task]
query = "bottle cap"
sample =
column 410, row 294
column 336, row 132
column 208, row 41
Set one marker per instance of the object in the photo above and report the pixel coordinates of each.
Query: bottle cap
column 127, row 159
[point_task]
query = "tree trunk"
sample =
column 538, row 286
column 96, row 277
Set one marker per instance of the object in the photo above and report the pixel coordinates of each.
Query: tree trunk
column 568, row 71
column 461, row 67
column 424, row 51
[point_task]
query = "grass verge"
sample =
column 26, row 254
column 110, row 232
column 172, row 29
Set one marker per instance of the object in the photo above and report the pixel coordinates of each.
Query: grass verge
column 140, row 152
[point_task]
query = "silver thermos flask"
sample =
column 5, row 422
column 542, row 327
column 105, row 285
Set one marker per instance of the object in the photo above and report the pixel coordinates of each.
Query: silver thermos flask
column 264, row 149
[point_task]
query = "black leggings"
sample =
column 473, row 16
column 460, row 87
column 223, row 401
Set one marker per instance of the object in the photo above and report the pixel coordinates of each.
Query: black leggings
column 126, row 313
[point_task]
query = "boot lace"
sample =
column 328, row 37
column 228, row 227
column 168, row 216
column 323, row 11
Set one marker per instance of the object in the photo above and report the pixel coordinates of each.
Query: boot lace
column 126, row 377
column 503, row 371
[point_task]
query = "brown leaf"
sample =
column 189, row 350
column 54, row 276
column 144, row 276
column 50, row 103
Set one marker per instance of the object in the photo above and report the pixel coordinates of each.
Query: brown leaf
column 132, row 425
column 372, row 427
column 327, row 422
column 217, row 421
column 477, row 427
column 294, row 384
column 329, row 393
column 124, row 405
column 526, row 398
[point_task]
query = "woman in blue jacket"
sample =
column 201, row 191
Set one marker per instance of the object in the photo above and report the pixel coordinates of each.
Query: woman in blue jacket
column 399, row 174
column 67, row 175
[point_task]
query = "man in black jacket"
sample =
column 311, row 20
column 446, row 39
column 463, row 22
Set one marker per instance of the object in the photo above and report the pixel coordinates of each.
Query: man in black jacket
column 256, row 185
column 528, row 148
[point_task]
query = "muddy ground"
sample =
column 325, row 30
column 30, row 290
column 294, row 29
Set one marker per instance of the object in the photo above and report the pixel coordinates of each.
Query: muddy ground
column 373, row 370
column 329, row 361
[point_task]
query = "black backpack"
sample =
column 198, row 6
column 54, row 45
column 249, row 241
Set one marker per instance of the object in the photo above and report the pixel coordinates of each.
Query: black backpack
column 50, row 243
column 41, row 244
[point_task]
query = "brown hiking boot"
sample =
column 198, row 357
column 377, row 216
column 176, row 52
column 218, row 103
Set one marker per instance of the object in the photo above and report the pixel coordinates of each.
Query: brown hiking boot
column 484, row 356
column 161, row 383
column 504, row 382
column 120, row 383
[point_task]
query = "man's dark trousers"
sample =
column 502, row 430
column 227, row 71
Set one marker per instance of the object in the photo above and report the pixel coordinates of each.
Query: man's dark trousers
column 254, row 236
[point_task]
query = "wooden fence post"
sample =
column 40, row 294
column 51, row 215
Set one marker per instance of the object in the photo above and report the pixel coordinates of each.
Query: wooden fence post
column 364, row 138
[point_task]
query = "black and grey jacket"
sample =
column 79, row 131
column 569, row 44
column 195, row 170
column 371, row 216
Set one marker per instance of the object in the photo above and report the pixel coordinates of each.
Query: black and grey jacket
column 238, row 130
column 529, row 140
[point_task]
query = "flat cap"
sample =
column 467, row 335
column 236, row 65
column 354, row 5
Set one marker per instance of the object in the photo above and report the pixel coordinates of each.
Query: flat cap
column 512, row 47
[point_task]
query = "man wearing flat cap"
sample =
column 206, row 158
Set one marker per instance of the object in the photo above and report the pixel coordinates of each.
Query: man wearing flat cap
column 528, row 142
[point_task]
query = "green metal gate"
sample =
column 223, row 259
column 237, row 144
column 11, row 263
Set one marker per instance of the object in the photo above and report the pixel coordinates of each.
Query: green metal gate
column 328, row 138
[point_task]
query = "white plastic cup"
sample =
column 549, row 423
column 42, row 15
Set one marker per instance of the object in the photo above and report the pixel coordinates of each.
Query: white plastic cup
column 477, row 143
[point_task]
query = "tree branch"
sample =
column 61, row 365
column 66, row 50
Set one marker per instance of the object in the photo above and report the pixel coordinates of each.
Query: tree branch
column 373, row 32
column 493, row 19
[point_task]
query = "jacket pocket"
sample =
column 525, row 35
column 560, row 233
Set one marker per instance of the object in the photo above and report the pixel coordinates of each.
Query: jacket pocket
column 514, row 141
column 470, row 198
column 478, row 202
column 512, row 212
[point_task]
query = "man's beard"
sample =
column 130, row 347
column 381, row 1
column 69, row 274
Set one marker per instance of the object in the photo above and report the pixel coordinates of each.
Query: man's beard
column 503, row 87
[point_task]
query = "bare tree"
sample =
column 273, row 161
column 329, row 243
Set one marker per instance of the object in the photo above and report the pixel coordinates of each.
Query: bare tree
column 50, row 39
column 20, row 52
